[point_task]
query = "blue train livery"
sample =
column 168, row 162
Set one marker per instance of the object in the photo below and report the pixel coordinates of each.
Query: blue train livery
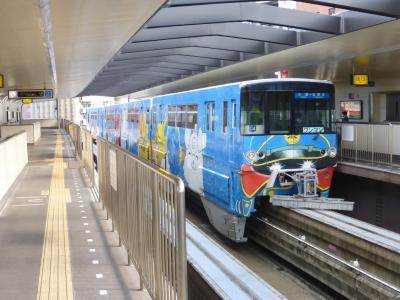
column 231, row 144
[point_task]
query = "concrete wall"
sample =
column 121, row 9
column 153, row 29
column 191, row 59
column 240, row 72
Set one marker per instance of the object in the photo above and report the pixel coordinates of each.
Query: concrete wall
column 13, row 159
column 349, row 92
column 373, row 98
column 33, row 131
column 44, row 123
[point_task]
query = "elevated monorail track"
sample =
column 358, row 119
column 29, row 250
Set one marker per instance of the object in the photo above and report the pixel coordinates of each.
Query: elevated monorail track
column 356, row 259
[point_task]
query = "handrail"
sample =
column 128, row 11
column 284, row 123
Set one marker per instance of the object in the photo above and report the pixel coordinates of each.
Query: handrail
column 371, row 143
column 146, row 205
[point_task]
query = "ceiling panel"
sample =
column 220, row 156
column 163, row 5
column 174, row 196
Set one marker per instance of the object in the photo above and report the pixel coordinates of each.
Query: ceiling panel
column 223, row 32
column 88, row 33
column 23, row 56
column 330, row 59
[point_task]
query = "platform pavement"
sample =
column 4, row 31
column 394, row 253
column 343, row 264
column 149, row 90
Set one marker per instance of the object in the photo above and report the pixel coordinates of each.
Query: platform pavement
column 54, row 239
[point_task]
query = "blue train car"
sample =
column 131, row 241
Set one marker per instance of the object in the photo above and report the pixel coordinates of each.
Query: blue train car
column 231, row 144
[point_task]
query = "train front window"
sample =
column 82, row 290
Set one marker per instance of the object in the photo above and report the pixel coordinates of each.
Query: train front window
column 285, row 112
column 278, row 109
column 265, row 112
column 252, row 116
column 311, row 112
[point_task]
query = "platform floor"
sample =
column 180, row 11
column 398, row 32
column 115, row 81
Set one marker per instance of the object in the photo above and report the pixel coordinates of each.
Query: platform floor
column 55, row 242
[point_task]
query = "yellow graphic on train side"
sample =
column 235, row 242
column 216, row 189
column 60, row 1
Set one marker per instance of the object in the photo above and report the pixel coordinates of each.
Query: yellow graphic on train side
column 292, row 139
column 143, row 142
column 160, row 144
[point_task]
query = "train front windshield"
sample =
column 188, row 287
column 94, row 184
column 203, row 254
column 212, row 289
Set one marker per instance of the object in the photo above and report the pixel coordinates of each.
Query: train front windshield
column 285, row 112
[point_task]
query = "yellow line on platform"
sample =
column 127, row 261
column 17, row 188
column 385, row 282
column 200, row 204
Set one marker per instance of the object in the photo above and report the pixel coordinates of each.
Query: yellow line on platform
column 55, row 280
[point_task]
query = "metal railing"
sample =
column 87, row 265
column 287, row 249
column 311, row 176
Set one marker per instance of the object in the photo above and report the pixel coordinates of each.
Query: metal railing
column 74, row 132
column 147, row 206
column 87, row 153
column 370, row 143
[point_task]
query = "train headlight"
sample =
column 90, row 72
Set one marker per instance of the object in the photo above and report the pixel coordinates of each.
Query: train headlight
column 252, row 156
column 332, row 152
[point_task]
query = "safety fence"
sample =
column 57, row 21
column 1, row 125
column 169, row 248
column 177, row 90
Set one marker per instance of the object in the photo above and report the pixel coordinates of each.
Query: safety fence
column 370, row 143
column 87, row 153
column 147, row 207
column 83, row 144
column 74, row 132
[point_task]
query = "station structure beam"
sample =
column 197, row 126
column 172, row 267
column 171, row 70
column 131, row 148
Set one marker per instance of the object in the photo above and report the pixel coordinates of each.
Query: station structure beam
column 244, row 12
column 389, row 8
column 187, row 51
column 187, row 37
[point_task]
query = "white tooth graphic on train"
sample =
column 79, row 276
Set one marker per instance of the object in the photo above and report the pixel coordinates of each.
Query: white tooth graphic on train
column 193, row 171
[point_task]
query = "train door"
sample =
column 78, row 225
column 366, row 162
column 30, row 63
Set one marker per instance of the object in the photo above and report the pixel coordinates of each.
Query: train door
column 232, row 134
column 117, row 126
column 144, row 131
column 153, row 129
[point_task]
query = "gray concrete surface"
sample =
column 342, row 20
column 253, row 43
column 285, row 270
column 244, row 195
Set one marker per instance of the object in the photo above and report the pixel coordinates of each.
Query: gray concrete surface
column 98, row 264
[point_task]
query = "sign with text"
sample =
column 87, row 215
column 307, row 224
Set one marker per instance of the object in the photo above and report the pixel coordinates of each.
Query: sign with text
column 359, row 79
column 33, row 94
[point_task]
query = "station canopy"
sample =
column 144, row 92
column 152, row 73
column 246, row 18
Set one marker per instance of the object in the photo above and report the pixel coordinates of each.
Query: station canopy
column 188, row 37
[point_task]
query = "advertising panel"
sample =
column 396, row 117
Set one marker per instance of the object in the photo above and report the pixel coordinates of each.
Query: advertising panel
column 353, row 109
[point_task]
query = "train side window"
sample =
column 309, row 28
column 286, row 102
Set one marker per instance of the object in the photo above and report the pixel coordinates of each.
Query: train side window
column 130, row 115
column 213, row 116
column 192, row 111
column 136, row 115
column 208, row 108
column 233, row 114
column 171, row 115
column 225, row 117
column 154, row 115
column 210, row 116
column 180, row 116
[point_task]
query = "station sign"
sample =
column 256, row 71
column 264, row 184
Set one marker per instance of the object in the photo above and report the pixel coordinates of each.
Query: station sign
column 33, row 94
column 1, row 81
column 359, row 79
column 27, row 100
column 311, row 95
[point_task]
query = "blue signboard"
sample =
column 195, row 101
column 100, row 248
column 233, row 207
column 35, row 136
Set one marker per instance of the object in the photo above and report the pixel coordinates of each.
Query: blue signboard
column 311, row 95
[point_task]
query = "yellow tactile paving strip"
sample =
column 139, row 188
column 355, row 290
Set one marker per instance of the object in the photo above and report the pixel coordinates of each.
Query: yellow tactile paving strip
column 55, row 280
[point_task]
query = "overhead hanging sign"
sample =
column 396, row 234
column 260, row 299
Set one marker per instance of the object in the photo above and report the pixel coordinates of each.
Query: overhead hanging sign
column 1, row 81
column 33, row 94
column 359, row 79
column 27, row 100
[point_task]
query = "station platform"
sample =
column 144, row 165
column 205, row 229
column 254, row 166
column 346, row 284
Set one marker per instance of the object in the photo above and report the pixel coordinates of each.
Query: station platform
column 381, row 172
column 55, row 241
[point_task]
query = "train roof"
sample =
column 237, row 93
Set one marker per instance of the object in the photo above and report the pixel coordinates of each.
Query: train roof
column 248, row 82
column 240, row 83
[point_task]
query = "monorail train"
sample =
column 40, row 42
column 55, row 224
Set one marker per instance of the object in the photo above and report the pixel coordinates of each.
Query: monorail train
column 233, row 143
